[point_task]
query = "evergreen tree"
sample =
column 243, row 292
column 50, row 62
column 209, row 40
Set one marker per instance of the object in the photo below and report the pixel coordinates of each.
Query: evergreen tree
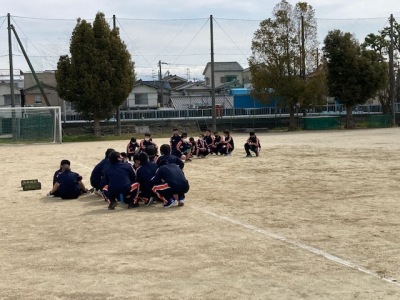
column 354, row 74
column 98, row 75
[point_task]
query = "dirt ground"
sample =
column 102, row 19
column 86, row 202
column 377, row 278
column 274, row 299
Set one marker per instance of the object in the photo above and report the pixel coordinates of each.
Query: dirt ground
column 316, row 216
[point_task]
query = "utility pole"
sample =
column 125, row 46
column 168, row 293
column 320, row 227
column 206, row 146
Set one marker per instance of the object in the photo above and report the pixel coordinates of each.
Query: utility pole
column 391, row 71
column 303, row 50
column 11, row 61
column 161, row 82
column 214, row 119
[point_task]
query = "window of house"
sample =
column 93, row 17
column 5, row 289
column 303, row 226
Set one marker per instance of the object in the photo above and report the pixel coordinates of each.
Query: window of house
column 230, row 78
column 207, row 81
column 7, row 100
column 141, row 99
column 38, row 99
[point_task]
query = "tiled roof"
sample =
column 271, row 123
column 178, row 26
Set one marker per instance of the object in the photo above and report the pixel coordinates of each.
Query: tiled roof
column 224, row 66
column 185, row 102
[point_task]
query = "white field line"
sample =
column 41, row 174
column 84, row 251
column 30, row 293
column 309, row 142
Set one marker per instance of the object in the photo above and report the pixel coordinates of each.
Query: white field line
column 281, row 238
column 314, row 250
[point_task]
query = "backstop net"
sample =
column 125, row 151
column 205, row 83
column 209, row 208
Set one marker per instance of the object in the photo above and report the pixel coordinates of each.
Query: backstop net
column 31, row 124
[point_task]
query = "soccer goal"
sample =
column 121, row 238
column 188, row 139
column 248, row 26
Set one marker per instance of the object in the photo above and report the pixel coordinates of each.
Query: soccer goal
column 31, row 124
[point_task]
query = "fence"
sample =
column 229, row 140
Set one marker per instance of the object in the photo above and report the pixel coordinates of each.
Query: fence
column 163, row 114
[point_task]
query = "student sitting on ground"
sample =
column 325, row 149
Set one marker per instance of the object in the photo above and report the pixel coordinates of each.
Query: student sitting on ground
column 165, row 151
column 252, row 144
column 170, row 184
column 132, row 148
column 209, row 139
column 184, row 147
column 201, row 147
column 173, row 141
column 146, row 142
column 96, row 178
column 69, row 184
column 217, row 144
column 227, row 144
column 120, row 182
column 144, row 174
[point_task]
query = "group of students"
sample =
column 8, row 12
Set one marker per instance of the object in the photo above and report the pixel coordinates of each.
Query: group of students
column 117, row 180
column 150, row 176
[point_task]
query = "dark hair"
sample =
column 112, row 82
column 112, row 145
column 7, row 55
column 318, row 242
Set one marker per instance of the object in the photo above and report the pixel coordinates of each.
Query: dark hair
column 65, row 162
column 252, row 133
column 226, row 131
column 165, row 149
column 136, row 156
column 147, row 134
column 208, row 130
column 150, row 150
column 123, row 154
column 175, row 129
column 108, row 151
column 216, row 133
column 184, row 134
column 191, row 139
column 143, row 157
column 133, row 140
column 114, row 157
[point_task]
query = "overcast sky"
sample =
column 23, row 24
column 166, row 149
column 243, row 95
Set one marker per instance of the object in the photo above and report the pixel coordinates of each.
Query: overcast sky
column 175, row 32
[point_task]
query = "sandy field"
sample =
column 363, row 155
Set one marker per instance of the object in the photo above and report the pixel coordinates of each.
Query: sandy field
column 316, row 216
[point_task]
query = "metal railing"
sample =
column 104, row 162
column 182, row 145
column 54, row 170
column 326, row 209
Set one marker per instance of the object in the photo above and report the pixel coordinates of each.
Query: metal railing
column 164, row 114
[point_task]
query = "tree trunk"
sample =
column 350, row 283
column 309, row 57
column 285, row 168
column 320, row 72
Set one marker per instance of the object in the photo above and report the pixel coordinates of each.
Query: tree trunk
column 292, row 125
column 96, row 127
column 349, row 117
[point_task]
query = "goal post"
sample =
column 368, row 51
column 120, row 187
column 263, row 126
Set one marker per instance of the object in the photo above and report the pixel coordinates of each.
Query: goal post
column 31, row 124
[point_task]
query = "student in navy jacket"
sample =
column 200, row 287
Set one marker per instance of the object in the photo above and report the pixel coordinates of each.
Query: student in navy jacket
column 68, row 184
column 97, row 174
column 120, row 181
column 144, row 174
column 170, row 184
column 165, row 151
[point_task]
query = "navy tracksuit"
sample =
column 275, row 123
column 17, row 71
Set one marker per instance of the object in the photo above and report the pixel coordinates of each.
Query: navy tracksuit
column 69, row 185
column 120, row 179
column 144, row 175
column 171, row 159
column 170, row 180
column 96, row 178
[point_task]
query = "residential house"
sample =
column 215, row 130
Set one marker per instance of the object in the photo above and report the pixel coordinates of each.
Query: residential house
column 18, row 77
column 147, row 94
column 174, row 80
column 33, row 95
column 192, row 89
column 5, row 95
column 223, row 72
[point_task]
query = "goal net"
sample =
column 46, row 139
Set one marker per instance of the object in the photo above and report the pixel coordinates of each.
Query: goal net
column 31, row 124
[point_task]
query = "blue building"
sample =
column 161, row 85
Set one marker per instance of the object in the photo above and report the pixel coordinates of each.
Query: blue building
column 243, row 99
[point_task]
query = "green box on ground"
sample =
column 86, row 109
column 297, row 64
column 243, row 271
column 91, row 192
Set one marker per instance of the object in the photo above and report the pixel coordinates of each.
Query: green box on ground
column 321, row 123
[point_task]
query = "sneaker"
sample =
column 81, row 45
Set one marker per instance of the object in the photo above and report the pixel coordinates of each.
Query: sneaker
column 133, row 205
column 98, row 193
column 169, row 203
column 91, row 190
column 181, row 202
column 150, row 201
column 248, row 155
column 112, row 205
column 188, row 160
